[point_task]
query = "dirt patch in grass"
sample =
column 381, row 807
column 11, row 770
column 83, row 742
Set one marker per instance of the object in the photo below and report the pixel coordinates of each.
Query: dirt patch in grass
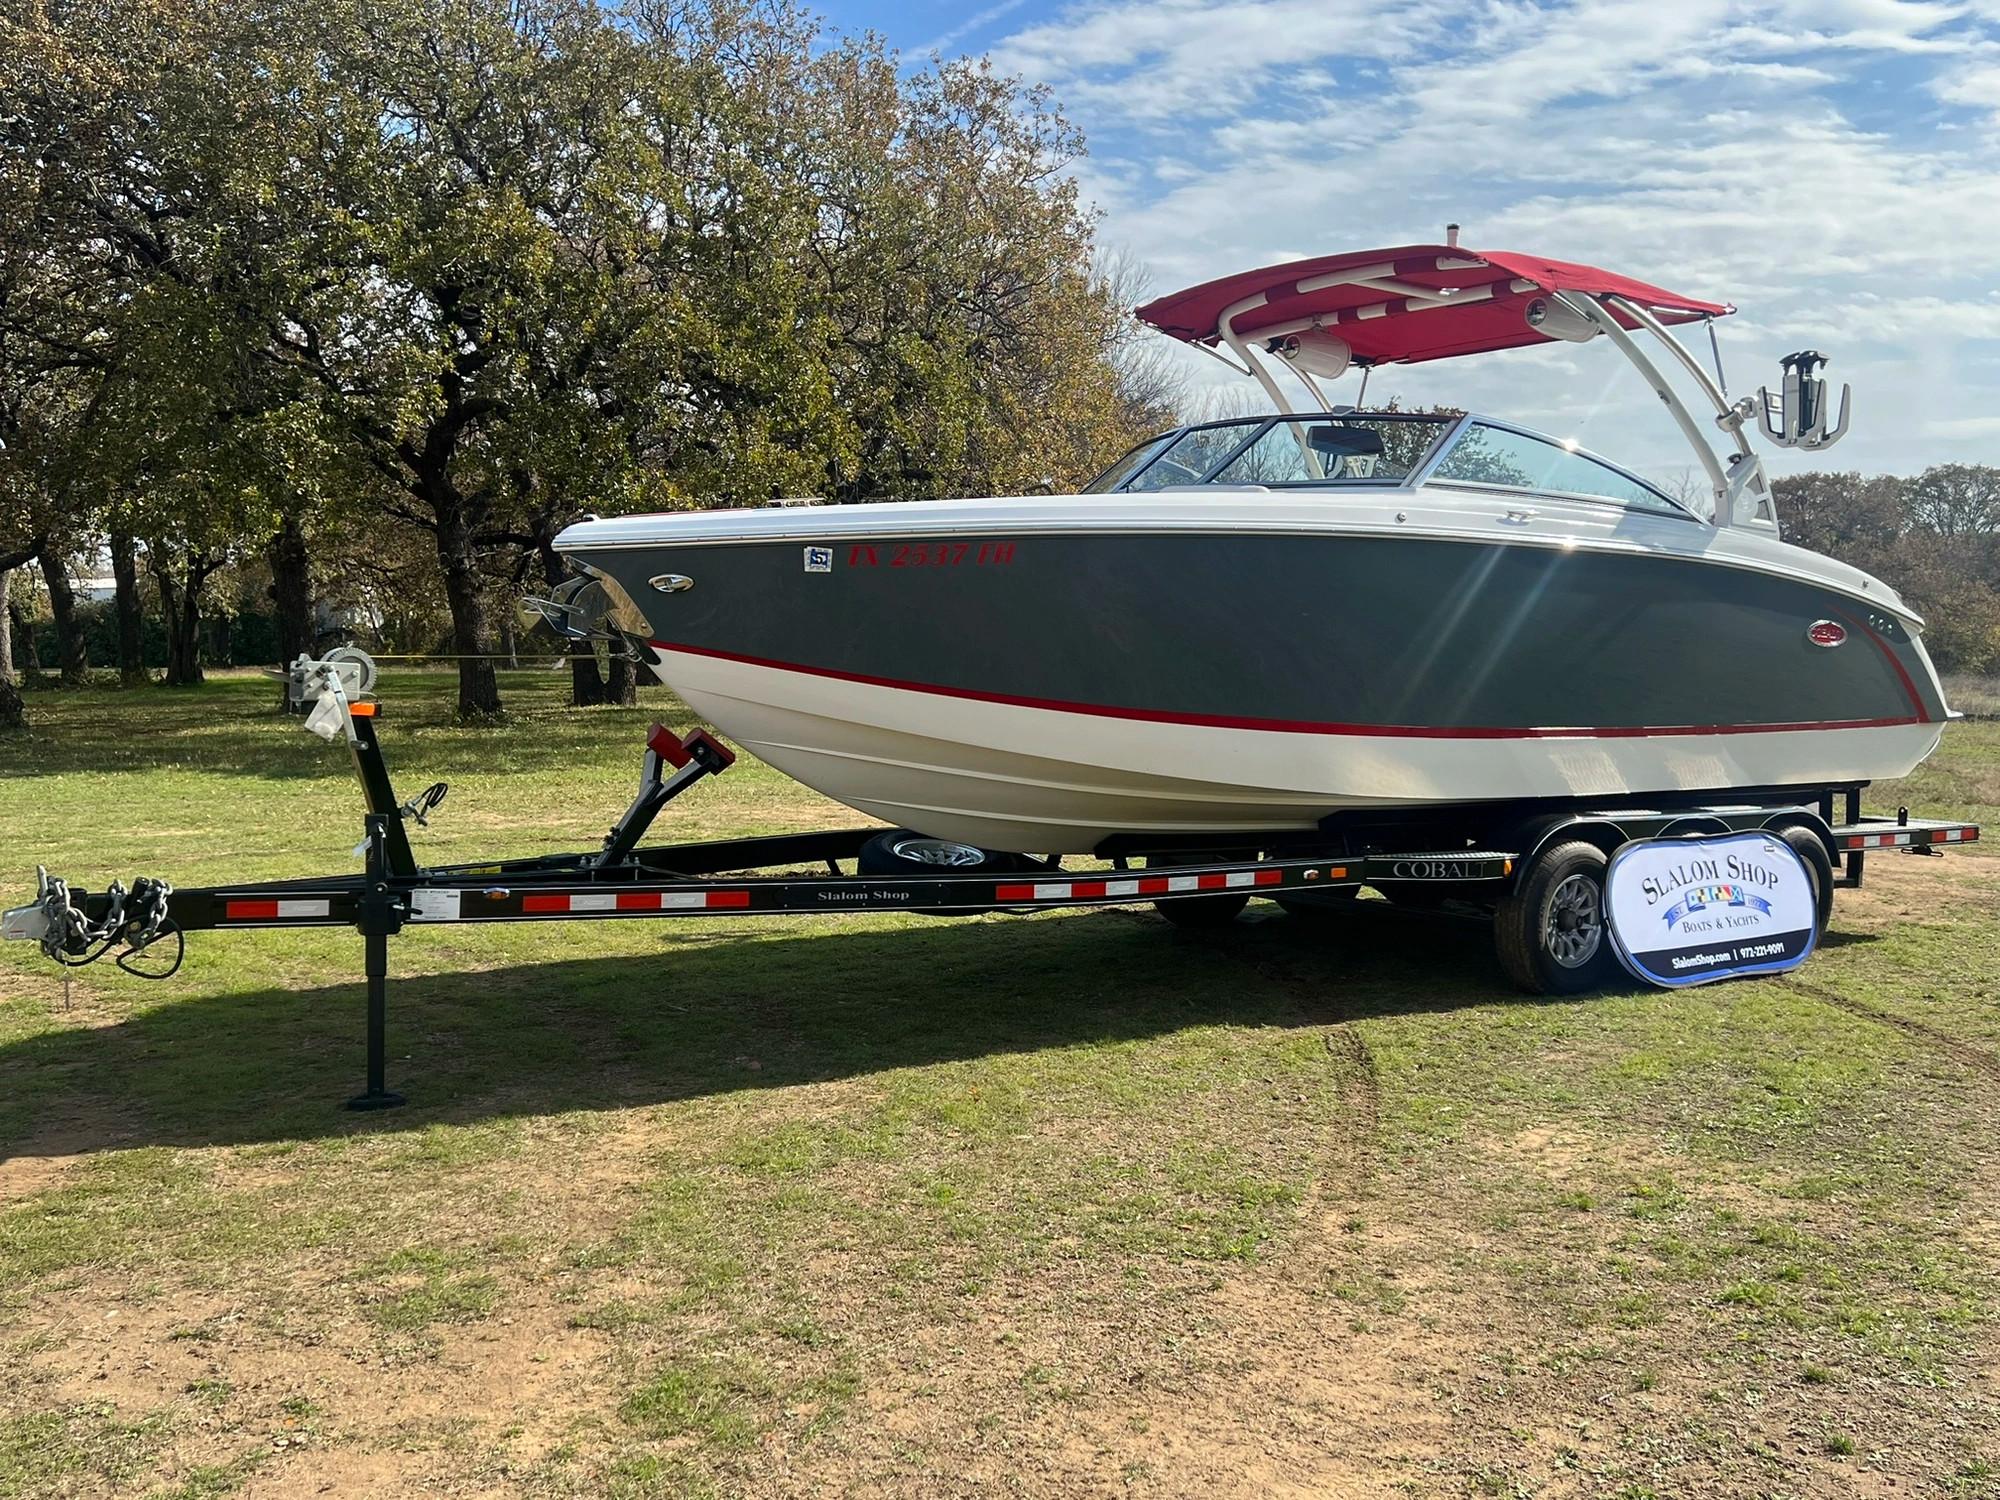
column 1303, row 1385
column 57, row 1147
column 31, row 1173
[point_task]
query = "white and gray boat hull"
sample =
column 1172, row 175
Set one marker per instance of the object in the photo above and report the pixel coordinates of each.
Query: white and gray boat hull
column 1023, row 677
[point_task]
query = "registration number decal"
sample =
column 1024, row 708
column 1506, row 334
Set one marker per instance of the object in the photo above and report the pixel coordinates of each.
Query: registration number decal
column 930, row 554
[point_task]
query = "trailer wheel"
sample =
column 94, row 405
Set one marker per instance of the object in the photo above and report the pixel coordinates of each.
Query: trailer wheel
column 900, row 852
column 1551, row 930
column 1819, row 864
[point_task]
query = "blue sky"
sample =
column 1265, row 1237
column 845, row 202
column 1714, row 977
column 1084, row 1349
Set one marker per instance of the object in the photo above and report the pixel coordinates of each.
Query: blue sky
column 1832, row 167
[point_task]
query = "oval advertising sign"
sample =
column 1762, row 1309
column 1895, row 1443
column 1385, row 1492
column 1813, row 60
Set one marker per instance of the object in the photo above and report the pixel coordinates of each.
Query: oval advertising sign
column 1686, row 911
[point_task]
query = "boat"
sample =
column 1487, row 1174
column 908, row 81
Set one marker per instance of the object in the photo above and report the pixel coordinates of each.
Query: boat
column 1246, row 628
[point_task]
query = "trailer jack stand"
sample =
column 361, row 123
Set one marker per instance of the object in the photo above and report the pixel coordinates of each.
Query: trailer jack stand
column 380, row 912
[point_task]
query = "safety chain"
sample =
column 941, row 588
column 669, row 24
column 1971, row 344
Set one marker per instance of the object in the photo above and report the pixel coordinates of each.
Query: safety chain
column 136, row 918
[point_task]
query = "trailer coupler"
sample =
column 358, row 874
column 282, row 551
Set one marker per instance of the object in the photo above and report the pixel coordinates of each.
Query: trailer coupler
column 133, row 923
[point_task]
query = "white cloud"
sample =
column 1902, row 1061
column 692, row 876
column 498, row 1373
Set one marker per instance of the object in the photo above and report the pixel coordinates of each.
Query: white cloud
column 1963, row 427
column 972, row 25
column 1976, row 86
column 1169, row 61
column 1918, row 321
column 1790, row 156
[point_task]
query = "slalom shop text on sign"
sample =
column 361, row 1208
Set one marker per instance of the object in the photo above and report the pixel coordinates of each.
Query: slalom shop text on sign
column 1685, row 911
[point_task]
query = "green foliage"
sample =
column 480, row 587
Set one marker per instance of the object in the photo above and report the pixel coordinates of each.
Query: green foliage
column 470, row 268
column 1934, row 538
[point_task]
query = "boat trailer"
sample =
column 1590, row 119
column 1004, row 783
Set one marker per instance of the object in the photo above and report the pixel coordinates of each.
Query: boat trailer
column 1446, row 853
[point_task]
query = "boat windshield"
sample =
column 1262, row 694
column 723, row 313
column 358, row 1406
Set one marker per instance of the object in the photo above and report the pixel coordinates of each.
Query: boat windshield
column 1489, row 455
column 1308, row 449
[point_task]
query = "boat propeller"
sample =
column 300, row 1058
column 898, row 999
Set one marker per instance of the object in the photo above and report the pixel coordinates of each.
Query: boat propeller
column 1796, row 418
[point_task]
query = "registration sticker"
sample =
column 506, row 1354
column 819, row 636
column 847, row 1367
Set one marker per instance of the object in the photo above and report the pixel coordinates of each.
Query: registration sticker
column 819, row 559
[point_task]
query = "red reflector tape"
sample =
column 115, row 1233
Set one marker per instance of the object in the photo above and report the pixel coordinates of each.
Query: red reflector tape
column 274, row 910
column 577, row 903
column 1907, row 837
column 1113, row 888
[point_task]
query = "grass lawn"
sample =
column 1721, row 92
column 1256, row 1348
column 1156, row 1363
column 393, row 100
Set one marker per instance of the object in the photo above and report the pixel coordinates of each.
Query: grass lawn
column 1070, row 1204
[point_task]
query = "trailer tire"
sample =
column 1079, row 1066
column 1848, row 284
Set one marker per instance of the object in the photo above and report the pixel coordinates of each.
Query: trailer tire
column 1317, row 904
column 1550, row 929
column 1433, row 895
column 1819, row 865
column 1197, row 913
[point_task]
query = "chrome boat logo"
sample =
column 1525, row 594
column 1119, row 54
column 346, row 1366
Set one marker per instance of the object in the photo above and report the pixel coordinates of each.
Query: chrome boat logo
column 1826, row 633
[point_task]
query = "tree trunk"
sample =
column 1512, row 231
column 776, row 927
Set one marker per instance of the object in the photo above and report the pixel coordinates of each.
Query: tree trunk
column 586, row 681
column 27, row 660
column 292, row 600
column 623, row 686
column 478, row 687
column 6, row 625
column 13, row 712
column 72, row 655
column 180, row 602
column 131, row 610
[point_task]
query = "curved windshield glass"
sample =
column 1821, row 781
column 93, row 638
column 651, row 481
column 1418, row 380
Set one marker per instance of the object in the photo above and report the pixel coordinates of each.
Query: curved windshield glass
column 1115, row 476
column 1485, row 454
column 1310, row 449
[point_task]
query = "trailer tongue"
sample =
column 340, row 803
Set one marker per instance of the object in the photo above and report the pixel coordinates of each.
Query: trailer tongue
column 1472, row 855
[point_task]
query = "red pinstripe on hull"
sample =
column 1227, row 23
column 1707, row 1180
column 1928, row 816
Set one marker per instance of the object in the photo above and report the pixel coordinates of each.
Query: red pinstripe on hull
column 1293, row 726
column 1902, row 673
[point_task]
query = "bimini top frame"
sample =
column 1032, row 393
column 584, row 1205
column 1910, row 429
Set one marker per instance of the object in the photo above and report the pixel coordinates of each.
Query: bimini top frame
column 1412, row 303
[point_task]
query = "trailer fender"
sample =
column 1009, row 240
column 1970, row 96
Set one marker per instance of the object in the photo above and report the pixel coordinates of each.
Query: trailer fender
column 1537, row 836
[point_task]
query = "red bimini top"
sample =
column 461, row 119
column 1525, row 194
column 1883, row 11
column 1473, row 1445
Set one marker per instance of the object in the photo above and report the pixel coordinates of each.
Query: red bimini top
column 1373, row 299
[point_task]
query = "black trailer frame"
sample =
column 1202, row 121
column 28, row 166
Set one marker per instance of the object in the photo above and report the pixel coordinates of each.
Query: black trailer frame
column 1195, row 880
